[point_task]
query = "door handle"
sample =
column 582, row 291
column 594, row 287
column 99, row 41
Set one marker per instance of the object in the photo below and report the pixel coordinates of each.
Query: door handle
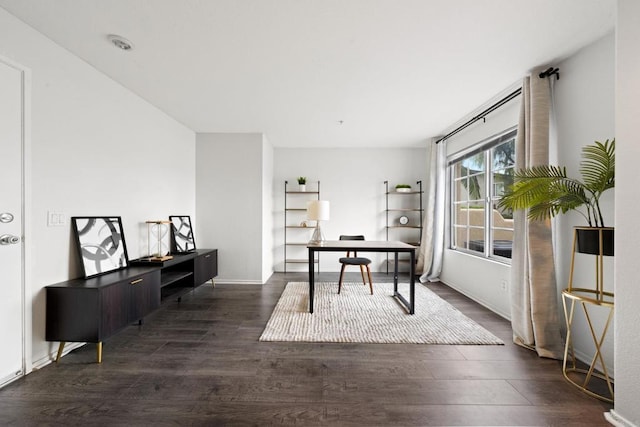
column 8, row 239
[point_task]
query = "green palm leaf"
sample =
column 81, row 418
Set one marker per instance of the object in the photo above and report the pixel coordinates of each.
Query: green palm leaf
column 598, row 166
column 546, row 191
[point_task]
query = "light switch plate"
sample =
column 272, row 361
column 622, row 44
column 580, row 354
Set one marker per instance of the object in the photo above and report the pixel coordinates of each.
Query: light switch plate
column 56, row 219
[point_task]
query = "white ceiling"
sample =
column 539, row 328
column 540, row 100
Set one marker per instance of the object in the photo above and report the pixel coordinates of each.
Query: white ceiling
column 330, row 73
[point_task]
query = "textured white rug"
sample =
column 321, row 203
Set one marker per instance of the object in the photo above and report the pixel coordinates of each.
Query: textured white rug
column 357, row 316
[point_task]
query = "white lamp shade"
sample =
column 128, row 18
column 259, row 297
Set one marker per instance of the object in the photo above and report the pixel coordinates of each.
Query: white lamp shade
column 318, row 210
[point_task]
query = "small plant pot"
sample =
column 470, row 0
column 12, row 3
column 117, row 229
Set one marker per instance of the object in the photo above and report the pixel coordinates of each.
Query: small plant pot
column 588, row 240
column 302, row 187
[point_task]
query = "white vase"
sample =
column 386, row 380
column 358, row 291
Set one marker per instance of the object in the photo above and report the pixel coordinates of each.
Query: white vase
column 302, row 187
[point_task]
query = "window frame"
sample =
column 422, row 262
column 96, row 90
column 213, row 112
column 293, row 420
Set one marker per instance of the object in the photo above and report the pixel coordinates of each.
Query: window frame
column 489, row 199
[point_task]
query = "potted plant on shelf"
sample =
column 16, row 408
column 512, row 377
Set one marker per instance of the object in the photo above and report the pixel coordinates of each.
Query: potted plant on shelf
column 302, row 181
column 403, row 188
column 547, row 191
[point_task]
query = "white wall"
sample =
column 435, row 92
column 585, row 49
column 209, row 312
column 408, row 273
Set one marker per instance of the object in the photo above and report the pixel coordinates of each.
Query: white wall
column 486, row 281
column 352, row 180
column 267, row 209
column 627, row 283
column 229, row 202
column 96, row 149
column 584, row 100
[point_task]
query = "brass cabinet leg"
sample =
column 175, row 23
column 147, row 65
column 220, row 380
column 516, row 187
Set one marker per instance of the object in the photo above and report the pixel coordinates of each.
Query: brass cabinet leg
column 213, row 283
column 60, row 349
column 99, row 351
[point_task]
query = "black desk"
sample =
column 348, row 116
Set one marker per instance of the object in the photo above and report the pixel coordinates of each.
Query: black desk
column 368, row 246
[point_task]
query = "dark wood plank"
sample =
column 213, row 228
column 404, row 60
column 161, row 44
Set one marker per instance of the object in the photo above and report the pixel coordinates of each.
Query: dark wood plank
column 199, row 362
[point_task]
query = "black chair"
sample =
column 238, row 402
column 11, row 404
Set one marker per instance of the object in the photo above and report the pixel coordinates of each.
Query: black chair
column 355, row 260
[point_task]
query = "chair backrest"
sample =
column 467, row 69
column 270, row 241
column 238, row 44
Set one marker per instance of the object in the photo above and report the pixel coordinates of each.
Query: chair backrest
column 347, row 237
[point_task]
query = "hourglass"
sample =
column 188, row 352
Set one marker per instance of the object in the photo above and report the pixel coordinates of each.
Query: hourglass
column 158, row 238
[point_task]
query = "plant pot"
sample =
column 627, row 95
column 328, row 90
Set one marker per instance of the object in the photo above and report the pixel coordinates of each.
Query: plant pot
column 588, row 240
column 302, row 187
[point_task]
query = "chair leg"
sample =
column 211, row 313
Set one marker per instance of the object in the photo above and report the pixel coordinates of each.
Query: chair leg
column 340, row 281
column 364, row 282
column 370, row 281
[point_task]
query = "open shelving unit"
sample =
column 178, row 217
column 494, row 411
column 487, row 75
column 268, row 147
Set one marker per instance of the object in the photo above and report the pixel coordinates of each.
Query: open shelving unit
column 406, row 204
column 296, row 233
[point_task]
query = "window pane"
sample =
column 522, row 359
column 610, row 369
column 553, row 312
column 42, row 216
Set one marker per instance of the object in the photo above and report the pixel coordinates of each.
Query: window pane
column 475, row 189
column 504, row 155
column 502, row 231
column 502, row 180
column 474, row 163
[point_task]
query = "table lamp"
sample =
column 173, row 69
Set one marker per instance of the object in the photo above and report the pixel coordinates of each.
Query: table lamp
column 318, row 210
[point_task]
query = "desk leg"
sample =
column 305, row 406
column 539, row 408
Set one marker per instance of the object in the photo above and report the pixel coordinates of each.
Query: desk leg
column 311, row 279
column 412, row 281
column 395, row 273
column 409, row 305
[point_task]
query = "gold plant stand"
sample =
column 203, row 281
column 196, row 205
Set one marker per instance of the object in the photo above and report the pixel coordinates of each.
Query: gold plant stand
column 589, row 300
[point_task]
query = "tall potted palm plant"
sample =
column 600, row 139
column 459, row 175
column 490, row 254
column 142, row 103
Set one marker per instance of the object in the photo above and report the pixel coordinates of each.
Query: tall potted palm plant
column 547, row 191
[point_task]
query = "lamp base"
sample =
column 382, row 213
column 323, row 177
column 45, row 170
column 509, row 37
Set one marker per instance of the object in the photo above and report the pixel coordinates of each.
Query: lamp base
column 318, row 236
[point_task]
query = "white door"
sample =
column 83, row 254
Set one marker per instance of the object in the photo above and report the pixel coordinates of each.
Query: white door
column 11, row 224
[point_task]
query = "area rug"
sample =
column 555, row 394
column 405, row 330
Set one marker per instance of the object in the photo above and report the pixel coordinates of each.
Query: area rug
column 359, row 317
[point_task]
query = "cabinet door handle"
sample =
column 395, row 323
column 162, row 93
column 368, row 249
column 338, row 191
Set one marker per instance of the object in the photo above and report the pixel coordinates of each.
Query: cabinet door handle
column 207, row 256
column 134, row 282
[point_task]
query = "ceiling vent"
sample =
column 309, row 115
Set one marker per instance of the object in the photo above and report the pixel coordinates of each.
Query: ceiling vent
column 120, row 42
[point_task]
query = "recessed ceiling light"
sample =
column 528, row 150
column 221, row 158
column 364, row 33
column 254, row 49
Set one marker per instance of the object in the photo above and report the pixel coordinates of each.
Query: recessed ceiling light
column 120, row 42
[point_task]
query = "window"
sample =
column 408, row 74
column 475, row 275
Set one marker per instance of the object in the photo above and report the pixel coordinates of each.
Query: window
column 478, row 178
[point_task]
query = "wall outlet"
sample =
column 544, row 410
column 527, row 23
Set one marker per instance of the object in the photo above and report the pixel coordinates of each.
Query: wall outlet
column 503, row 285
column 56, row 219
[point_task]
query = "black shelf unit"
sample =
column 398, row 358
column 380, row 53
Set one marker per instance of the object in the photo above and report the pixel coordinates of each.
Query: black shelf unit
column 409, row 205
column 294, row 211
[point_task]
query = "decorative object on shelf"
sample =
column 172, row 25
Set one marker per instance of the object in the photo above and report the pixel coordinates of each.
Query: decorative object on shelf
column 100, row 243
column 182, row 239
column 302, row 181
column 303, row 224
column 158, row 240
column 318, row 210
column 403, row 220
column 403, row 188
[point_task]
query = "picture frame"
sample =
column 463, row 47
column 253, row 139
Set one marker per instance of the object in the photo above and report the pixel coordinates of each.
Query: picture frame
column 100, row 243
column 182, row 240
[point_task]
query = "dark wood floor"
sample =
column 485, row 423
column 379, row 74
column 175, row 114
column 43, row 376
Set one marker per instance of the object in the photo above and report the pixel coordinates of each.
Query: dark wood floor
column 199, row 362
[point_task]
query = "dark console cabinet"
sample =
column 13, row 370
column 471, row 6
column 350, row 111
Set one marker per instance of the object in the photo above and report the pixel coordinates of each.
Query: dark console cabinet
column 206, row 267
column 91, row 310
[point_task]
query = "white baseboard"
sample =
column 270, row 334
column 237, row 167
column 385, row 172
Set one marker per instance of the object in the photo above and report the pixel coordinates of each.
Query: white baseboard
column 506, row 316
column 51, row 357
column 617, row 420
column 222, row 280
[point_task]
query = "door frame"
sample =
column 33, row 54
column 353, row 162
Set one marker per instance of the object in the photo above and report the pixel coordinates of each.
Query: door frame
column 26, row 309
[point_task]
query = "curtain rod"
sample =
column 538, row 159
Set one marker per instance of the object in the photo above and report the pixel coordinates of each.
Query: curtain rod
column 551, row 71
column 482, row 114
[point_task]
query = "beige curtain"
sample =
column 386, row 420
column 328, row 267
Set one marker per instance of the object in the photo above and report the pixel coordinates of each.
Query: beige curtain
column 432, row 240
column 534, row 300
